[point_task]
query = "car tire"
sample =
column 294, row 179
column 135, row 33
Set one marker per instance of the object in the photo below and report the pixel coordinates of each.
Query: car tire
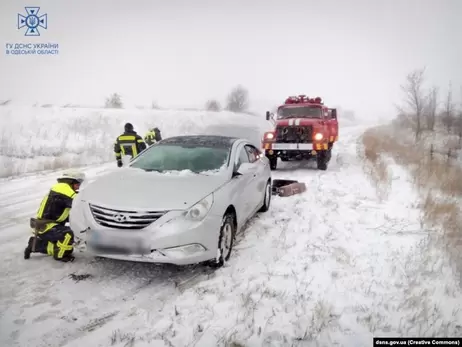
column 267, row 198
column 273, row 163
column 225, row 240
column 322, row 160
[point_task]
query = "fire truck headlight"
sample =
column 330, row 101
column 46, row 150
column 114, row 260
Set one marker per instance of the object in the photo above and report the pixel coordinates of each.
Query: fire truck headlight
column 318, row 136
column 269, row 136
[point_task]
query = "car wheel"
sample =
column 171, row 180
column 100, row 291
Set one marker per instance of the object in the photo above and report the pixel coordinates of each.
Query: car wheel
column 225, row 241
column 322, row 160
column 266, row 198
column 273, row 163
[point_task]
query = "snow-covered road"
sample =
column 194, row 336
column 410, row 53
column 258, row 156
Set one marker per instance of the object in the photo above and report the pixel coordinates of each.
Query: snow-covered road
column 332, row 266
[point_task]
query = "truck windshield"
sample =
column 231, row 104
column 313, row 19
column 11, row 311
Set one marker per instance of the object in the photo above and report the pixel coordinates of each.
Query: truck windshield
column 299, row 112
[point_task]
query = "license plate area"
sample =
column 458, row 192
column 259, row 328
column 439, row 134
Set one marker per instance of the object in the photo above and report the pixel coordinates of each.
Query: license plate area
column 112, row 242
column 292, row 146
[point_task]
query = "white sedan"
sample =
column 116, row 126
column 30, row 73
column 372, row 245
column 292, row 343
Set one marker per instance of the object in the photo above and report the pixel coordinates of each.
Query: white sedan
column 181, row 201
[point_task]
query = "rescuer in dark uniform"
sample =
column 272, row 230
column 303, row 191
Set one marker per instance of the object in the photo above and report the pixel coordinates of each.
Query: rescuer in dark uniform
column 129, row 143
column 152, row 136
column 52, row 236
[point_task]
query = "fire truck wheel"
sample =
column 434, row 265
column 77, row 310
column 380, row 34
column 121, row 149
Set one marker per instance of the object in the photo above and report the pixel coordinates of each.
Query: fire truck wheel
column 329, row 154
column 321, row 160
column 273, row 163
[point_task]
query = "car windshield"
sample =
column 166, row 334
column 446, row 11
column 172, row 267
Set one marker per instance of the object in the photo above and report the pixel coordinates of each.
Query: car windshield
column 299, row 112
column 179, row 157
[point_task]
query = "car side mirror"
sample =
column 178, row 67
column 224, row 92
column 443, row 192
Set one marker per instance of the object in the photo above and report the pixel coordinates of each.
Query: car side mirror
column 334, row 113
column 268, row 115
column 243, row 169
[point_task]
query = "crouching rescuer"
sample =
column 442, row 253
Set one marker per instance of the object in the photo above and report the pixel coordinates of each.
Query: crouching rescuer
column 52, row 236
column 129, row 143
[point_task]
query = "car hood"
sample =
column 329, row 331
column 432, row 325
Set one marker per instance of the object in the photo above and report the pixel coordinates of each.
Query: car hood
column 138, row 189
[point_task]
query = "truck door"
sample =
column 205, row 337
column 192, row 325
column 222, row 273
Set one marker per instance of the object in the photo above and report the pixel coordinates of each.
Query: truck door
column 332, row 124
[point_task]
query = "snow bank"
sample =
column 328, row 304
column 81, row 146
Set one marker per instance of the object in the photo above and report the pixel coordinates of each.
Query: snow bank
column 40, row 139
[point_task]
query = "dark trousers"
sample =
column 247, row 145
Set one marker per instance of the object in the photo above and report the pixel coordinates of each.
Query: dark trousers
column 57, row 242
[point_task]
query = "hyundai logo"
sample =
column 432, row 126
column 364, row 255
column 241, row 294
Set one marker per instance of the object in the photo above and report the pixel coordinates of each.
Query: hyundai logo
column 120, row 218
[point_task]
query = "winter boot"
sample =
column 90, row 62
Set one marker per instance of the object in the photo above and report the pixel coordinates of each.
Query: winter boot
column 28, row 249
column 67, row 257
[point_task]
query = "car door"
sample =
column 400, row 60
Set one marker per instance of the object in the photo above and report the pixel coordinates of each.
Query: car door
column 258, row 183
column 241, row 185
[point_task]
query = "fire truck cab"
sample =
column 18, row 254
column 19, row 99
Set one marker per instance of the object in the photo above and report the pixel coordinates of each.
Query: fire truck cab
column 304, row 129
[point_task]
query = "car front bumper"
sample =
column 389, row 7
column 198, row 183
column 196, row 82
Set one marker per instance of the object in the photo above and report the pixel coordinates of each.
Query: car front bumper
column 171, row 239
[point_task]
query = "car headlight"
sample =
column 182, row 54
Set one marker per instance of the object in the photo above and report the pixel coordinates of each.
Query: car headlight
column 200, row 210
column 318, row 136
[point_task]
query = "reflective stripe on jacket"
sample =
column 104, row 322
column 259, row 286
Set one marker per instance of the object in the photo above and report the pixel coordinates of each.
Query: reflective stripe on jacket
column 150, row 137
column 128, row 144
column 56, row 206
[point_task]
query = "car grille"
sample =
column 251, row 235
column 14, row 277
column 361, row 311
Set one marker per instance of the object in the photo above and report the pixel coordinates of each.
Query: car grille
column 123, row 219
column 294, row 134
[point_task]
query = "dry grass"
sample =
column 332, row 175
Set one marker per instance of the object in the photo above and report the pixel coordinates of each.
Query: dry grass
column 438, row 180
column 10, row 168
column 376, row 165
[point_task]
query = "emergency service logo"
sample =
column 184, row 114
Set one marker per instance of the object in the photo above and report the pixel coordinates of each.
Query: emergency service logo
column 31, row 23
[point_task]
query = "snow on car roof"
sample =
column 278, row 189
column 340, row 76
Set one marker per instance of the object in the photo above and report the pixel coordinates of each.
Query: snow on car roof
column 201, row 140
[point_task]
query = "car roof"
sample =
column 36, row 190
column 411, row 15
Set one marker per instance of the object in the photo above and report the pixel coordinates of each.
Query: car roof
column 201, row 140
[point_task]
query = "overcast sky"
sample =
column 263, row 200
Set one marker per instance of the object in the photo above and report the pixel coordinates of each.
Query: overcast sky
column 354, row 53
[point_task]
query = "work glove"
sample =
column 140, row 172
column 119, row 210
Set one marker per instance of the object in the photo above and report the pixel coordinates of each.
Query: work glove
column 119, row 163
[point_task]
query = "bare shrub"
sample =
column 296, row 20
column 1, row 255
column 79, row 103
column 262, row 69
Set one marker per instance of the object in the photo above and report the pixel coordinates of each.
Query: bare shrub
column 238, row 99
column 56, row 163
column 437, row 179
column 431, row 109
column 155, row 105
column 377, row 167
column 438, row 173
column 5, row 102
column 437, row 211
column 114, row 101
column 448, row 117
column 459, row 128
column 213, row 105
column 459, row 121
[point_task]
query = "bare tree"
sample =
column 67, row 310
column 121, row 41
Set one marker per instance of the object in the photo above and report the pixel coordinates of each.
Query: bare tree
column 448, row 116
column 238, row 99
column 431, row 108
column 114, row 101
column 415, row 98
column 213, row 105
column 459, row 120
column 459, row 127
column 155, row 105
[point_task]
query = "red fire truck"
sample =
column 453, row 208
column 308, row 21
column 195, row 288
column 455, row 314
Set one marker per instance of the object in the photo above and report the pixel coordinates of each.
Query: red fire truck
column 304, row 129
